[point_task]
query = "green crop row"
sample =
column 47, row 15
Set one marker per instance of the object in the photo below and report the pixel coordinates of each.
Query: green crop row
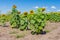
column 53, row 17
column 34, row 21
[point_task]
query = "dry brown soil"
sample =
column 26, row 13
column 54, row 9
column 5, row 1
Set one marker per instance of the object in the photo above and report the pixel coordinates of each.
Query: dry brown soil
column 7, row 33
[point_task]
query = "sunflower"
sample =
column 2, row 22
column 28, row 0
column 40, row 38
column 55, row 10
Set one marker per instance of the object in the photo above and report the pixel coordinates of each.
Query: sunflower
column 14, row 6
column 25, row 13
column 19, row 12
column 3, row 15
column 31, row 12
column 43, row 9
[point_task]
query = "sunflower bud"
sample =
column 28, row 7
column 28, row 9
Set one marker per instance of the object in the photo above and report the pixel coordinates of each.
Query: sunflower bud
column 43, row 9
column 3, row 15
column 31, row 12
column 25, row 13
column 19, row 12
column 14, row 6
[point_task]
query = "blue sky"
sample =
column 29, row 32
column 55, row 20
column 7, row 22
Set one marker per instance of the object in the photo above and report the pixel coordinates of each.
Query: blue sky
column 26, row 5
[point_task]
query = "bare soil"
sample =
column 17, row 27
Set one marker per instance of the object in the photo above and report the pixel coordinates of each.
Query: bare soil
column 7, row 33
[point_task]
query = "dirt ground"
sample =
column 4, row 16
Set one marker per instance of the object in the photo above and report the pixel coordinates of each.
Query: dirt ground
column 7, row 33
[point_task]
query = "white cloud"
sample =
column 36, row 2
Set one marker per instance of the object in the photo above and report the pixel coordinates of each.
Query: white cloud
column 44, row 7
column 58, row 10
column 36, row 7
column 48, row 10
column 53, row 7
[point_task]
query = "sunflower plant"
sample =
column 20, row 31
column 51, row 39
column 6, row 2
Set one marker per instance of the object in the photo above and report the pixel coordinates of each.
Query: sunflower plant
column 38, row 21
column 2, row 19
column 15, row 19
column 24, row 21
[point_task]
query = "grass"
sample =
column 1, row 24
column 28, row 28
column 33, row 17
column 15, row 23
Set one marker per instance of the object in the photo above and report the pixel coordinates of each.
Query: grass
column 17, row 35
column 13, row 32
column 20, row 35
column 47, row 31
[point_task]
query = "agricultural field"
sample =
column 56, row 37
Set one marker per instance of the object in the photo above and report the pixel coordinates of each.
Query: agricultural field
column 33, row 25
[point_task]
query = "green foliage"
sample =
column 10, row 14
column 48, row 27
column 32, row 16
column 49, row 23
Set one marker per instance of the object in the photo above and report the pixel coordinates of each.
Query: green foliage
column 3, row 19
column 53, row 17
column 15, row 19
column 23, row 22
column 34, row 21
column 37, row 22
